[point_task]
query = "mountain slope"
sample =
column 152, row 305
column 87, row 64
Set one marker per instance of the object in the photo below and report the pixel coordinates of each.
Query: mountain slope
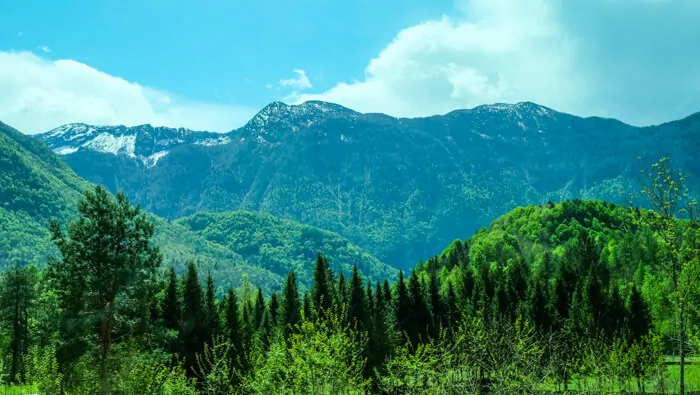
column 399, row 188
column 35, row 186
column 280, row 245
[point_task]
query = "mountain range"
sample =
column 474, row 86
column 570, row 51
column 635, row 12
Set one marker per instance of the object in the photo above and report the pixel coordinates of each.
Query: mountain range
column 37, row 185
column 400, row 188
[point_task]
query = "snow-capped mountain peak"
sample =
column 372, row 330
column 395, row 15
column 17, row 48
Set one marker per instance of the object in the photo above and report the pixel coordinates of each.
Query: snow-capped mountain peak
column 145, row 143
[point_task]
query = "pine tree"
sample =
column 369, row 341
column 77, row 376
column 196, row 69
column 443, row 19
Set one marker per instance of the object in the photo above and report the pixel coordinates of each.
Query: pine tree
column 537, row 305
column 321, row 289
column 259, row 309
column 452, row 312
column 274, row 309
column 193, row 332
column 402, row 306
column 639, row 316
column 212, row 323
column 387, row 293
column 106, row 261
column 291, row 310
column 419, row 309
column 306, row 303
column 438, row 318
column 342, row 290
column 357, row 305
column 17, row 300
column 171, row 302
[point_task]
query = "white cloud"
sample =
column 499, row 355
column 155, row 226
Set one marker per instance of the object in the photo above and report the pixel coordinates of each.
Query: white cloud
column 301, row 81
column 37, row 94
column 588, row 57
column 45, row 48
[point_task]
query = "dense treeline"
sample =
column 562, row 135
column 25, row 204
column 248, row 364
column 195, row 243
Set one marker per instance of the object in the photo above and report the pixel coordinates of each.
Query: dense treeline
column 554, row 308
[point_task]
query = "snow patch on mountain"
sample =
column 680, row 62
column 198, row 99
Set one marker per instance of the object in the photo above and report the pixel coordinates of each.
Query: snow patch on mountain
column 65, row 150
column 105, row 142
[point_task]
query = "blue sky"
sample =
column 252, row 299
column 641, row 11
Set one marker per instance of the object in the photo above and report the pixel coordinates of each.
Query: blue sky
column 211, row 64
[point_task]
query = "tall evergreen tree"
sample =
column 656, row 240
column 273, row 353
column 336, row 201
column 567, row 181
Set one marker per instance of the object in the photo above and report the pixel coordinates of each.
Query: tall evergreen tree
column 171, row 302
column 342, row 289
column 212, row 323
column 17, row 299
column 386, row 291
column 106, row 261
column 639, row 316
column 274, row 309
column 452, row 311
column 322, row 298
column 259, row 309
column 403, row 306
column 291, row 309
column 357, row 305
column 193, row 333
column 437, row 309
column 419, row 309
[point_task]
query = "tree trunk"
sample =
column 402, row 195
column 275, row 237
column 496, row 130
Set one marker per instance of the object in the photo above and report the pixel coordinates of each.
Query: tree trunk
column 681, row 323
column 106, row 343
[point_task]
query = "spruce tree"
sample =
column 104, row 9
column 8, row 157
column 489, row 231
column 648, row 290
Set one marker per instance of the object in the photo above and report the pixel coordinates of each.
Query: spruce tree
column 171, row 302
column 259, row 309
column 357, row 306
column 386, row 291
column 18, row 297
column 342, row 297
column 193, row 332
column 403, row 306
column 452, row 312
column 274, row 309
column 437, row 309
column 419, row 309
column 321, row 288
column 291, row 309
column 639, row 316
column 212, row 323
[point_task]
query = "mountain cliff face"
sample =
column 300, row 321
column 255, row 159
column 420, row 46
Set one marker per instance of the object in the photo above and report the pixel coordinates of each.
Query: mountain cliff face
column 399, row 188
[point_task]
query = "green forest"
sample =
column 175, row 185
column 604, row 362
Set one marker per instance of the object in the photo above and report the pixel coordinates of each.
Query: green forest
column 580, row 296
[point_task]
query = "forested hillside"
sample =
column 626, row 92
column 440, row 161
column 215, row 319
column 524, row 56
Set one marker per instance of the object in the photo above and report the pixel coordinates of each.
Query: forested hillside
column 37, row 186
column 280, row 245
column 584, row 296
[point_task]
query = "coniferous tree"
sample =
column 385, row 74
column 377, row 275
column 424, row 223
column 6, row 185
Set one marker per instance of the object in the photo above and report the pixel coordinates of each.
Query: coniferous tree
column 171, row 302
column 357, row 305
column 171, row 309
column 291, row 309
column 212, row 324
column 419, row 309
column 274, row 309
column 106, row 261
column 403, row 306
column 193, row 332
column 437, row 312
column 639, row 316
column 386, row 291
column 321, row 289
column 17, row 299
column 306, row 306
column 452, row 311
column 259, row 309
column 342, row 290
column 538, row 302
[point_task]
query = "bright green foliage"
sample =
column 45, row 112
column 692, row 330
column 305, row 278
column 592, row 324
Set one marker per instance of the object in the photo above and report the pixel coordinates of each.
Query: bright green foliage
column 320, row 357
column 280, row 245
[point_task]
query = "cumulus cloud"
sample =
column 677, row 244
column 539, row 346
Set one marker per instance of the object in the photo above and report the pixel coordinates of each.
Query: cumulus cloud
column 37, row 94
column 301, row 81
column 587, row 57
